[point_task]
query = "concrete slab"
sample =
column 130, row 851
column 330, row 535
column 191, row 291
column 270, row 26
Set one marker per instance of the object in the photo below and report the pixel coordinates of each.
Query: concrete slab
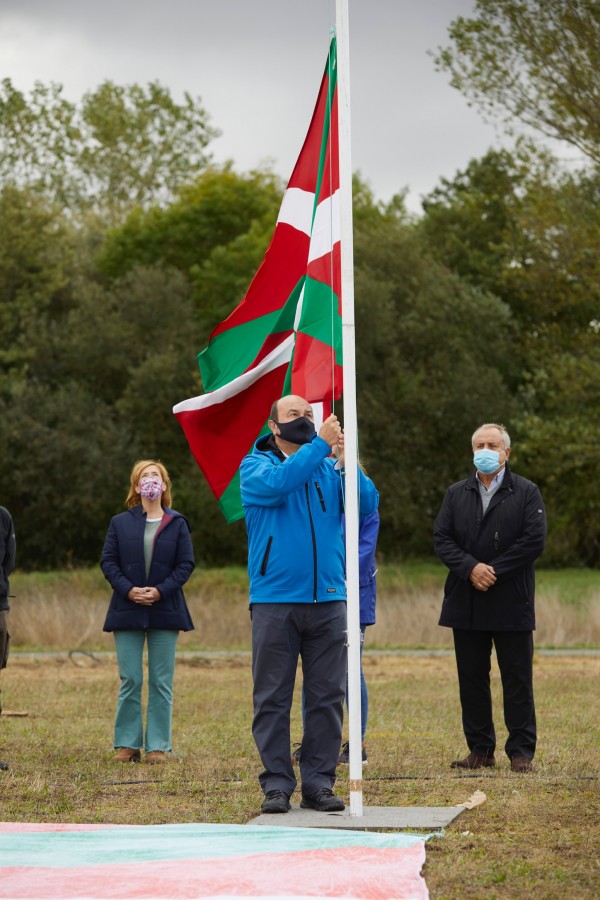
column 374, row 818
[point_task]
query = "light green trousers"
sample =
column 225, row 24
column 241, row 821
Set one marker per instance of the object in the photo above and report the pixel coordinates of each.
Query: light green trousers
column 129, row 730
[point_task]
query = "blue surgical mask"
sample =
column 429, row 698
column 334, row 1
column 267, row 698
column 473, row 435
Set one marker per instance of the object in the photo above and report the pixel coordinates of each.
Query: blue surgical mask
column 486, row 461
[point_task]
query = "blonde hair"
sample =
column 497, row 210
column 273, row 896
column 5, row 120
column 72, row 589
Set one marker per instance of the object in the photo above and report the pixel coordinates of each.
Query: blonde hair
column 133, row 498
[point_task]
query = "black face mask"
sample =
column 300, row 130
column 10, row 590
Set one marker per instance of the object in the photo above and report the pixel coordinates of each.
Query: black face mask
column 299, row 431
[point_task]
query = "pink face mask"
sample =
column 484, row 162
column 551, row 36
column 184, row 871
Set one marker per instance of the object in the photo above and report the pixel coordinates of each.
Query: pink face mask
column 151, row 488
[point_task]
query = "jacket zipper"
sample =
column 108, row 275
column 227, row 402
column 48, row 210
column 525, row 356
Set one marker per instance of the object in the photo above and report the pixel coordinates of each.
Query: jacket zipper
column 318, row 487
column 314, row 543
column 497, row 529
column 265, row 559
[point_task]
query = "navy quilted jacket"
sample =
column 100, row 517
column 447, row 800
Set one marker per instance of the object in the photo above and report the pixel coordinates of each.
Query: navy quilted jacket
column 172, row 564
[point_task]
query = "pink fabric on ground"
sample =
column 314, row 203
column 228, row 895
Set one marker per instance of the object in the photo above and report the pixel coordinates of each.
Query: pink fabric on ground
column 350, row 873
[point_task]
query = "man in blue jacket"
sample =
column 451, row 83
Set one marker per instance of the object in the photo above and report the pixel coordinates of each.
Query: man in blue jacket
column 292, row 493
column 489, row 532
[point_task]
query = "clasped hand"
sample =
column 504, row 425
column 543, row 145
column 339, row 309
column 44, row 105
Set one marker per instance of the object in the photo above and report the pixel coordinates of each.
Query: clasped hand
column 482, row 576
column 145, row 596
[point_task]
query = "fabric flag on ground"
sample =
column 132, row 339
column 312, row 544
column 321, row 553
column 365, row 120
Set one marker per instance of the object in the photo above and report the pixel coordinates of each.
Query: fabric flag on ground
column 285, row 336
column 98, row 862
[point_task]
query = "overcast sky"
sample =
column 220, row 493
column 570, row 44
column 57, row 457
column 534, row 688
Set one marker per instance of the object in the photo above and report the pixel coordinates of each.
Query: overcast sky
column 257, row 65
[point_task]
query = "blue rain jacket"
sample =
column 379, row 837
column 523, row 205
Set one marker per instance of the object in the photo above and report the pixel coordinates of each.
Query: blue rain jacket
column 293, row 508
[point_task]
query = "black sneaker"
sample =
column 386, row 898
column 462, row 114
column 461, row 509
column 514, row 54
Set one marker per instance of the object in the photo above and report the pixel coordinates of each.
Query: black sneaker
column 344, row 757
column 276, row 802
column 3, row 766
column 296, row 754
column 323, row 801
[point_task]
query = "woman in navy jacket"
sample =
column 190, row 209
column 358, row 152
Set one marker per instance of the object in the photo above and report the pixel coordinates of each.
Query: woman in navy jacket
column 147, row 558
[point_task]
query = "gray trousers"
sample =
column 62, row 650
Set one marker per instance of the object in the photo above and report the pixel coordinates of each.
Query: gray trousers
column 281, row 633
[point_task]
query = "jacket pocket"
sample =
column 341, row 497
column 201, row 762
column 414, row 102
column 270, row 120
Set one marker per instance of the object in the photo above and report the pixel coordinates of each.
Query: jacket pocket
column 265, row 559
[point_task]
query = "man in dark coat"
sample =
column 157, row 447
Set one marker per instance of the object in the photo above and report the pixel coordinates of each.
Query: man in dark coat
column 490, row 530
column 8, row 549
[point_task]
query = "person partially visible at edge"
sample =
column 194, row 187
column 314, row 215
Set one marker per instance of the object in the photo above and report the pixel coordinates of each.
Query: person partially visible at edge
column 147, row 558
column 368, row 531
column 8, row 554
column 490, row 530
column 292, row 494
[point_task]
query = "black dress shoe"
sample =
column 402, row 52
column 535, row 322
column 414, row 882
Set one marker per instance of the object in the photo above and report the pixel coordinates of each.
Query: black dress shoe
column 323, row 800
column 474, row 761
column 276, row 802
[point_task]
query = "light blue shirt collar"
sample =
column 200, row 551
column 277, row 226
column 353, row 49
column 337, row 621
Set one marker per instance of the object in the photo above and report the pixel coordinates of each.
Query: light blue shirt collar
column 496, row 481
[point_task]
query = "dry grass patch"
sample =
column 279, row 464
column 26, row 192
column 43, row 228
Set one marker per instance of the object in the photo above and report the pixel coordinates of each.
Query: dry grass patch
column 66, row 610
column 536, row 836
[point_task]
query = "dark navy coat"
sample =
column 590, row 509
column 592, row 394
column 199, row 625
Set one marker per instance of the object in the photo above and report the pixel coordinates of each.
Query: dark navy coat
column 124, row 567
column 8, row 547
column 510, row 537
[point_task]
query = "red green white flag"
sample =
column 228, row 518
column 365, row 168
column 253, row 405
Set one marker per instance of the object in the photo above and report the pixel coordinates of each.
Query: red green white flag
column 285, row 336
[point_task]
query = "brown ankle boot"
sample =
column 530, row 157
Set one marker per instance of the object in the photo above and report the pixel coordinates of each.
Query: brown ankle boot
column 474, row 761
column 155, row 757
column 127, row 754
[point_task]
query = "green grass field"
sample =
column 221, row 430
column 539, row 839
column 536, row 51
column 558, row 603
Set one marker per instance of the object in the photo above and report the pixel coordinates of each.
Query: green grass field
column 535, row 836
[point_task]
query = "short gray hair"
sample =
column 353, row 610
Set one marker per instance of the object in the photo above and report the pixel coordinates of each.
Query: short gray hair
column 501, row 429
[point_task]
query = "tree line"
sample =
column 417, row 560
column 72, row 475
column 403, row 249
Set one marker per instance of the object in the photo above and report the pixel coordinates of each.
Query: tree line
column 123, row 246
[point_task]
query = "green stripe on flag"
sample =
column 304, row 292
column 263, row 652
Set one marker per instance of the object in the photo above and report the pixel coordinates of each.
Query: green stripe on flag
column 320, row 317
column 230, row 500
column 232, row 352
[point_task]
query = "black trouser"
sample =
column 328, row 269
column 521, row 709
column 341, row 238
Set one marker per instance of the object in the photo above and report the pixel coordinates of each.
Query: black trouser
column 4, row 638
column 514, row 651
column 282, row 632
column 4, row 642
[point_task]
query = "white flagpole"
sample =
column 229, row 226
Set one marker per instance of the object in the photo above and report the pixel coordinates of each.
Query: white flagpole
column 350, row 419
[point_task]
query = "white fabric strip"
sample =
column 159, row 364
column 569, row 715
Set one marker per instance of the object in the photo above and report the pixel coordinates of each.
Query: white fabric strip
column 326, row 229
column 277, row 357
column 297, row 209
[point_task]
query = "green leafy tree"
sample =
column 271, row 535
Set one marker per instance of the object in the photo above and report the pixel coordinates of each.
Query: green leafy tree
column 426, row 375
column 61, row 459
column 528, row 233
column 468, row 222
column 535, row 61
column 552, row 276
column 37, row 256
column 121, row 147
column 211, row 211
column 558, row 445
column 216, row 232
column 133, row 346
